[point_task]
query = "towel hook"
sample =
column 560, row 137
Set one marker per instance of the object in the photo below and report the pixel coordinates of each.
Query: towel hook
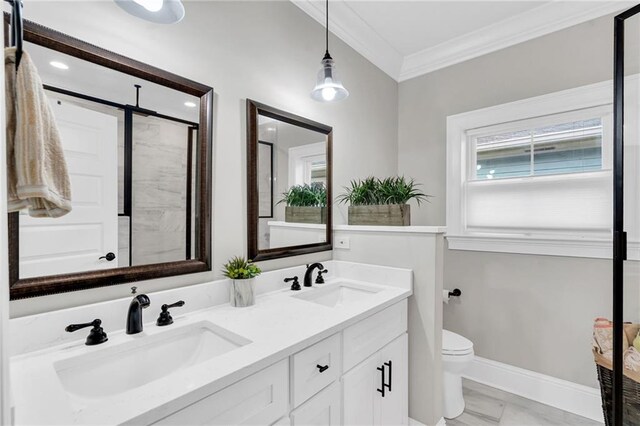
column 16, row 28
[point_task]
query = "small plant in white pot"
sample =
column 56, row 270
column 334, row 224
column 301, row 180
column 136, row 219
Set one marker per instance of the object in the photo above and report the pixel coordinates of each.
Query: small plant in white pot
column 375, row 201
column 243, row 286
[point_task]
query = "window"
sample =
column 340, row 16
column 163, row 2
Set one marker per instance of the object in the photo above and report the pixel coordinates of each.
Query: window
column 568, row 147
column 533, row 176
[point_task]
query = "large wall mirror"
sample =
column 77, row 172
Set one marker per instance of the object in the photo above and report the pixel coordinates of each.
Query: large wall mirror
column 137, row 142
column 288, row 183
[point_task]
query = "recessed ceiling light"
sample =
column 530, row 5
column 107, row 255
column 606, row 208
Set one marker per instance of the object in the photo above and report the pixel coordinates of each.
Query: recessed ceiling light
column 190, row 104
column 59, row 65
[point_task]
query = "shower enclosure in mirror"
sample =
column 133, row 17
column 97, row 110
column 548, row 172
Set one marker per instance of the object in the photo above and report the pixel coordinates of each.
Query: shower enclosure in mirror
column 288, row 183
column 137, row 145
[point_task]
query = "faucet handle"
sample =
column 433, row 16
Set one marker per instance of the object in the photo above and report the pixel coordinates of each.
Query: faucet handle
column 320, row 278
column 165, row 317
column 96, row 335
column 295, row 286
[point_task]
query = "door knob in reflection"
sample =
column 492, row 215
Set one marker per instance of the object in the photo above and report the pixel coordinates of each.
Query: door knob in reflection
column 109, row 256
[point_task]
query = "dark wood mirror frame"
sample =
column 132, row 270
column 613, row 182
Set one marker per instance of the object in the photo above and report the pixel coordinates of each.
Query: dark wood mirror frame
column 39, row 286
column 254, row 109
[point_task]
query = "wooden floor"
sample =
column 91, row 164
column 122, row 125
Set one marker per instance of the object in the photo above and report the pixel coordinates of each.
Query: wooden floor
column 486, row 406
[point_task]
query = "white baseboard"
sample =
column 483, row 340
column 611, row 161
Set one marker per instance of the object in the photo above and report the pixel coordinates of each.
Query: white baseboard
column 568, row 396
column 412, row 422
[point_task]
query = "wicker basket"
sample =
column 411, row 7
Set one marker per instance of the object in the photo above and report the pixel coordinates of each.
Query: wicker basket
column 630, row 386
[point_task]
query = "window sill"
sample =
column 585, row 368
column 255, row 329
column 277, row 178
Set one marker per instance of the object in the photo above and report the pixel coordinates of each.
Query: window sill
column 557, row 246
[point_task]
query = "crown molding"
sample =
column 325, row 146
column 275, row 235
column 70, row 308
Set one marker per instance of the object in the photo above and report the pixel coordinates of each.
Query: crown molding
column 347, row 25
column 534, row 23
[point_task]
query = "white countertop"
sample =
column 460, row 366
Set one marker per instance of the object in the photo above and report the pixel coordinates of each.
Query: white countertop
column 278, row 326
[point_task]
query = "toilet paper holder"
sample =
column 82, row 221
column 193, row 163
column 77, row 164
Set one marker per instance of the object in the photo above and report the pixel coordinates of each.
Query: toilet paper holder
column 455, row 293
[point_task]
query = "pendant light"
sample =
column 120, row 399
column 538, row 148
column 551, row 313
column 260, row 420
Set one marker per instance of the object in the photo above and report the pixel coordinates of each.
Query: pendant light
column 158, row 11
column 328, row 86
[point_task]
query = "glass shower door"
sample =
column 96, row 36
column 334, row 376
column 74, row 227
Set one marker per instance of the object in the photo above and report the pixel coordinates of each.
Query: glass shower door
column 621, row 385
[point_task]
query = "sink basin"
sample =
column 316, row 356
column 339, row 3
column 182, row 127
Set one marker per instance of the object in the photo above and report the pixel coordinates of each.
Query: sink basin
column 132, row 364
column 338, row 294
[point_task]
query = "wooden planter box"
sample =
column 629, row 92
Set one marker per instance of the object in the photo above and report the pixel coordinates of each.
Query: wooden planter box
column 382, row 215
column 305, row 214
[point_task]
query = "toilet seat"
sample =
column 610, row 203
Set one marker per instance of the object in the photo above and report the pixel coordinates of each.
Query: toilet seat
column 455, row 345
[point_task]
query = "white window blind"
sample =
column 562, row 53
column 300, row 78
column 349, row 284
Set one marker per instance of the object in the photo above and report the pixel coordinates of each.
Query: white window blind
column 575, row 203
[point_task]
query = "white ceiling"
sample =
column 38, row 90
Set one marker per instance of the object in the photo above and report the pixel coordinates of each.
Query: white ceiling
column 94, row 80
column 407, row 38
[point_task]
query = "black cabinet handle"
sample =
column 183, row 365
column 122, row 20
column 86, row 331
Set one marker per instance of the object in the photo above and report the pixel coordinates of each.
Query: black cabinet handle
column 382, row 388
column 322, row 368
column 109, row 256
column 388, row 364
column 384, row 385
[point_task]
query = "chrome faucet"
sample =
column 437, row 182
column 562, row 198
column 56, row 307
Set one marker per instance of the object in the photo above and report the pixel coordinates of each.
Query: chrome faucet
column 308, row 275
column 134, row 316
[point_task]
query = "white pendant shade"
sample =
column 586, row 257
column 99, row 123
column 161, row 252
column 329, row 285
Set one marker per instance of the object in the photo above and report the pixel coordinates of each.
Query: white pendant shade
column 328, row 87
column 158, row 11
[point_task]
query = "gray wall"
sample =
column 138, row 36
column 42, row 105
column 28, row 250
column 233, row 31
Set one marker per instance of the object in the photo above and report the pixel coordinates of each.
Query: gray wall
column 269, row 51
column 533, row 312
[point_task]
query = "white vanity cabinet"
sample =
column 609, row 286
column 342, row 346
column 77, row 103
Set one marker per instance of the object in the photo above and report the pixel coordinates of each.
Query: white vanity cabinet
column 337, row 381
column 260, row 399
column 324, row 409
column 375, row 392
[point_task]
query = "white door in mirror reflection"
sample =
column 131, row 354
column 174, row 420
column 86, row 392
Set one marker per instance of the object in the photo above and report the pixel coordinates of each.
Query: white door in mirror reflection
column 75, row 242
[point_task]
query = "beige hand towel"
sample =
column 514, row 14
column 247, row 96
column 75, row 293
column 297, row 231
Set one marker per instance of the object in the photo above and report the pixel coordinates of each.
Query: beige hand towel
column 37, row 170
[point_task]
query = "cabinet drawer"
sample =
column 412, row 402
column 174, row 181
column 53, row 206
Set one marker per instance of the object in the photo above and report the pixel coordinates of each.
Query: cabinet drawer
column 260, row 399
column 324, row 409
column 366, row 337
column 314, row 368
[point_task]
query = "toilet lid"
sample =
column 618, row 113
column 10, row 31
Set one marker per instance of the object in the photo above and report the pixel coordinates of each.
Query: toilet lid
column 453, row 343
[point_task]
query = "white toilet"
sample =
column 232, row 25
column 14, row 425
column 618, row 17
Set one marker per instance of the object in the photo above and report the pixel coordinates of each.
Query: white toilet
column 457, row 354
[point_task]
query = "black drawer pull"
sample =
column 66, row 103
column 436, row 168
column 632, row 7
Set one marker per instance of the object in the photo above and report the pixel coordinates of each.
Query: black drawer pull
column 388, row 364
column 381, row 370
column 322, row 368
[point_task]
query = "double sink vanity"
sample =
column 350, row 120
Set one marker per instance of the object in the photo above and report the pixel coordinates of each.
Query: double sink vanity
column 334, row 353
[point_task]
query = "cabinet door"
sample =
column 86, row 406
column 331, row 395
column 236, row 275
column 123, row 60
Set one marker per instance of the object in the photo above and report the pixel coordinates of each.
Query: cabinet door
column 363, row 401
column 260, row 399
column 359, row 393
column 394, row 407
column 321, row 410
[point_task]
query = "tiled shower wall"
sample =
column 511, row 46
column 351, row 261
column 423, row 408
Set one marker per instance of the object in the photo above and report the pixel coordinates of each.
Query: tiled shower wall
column 159, row 191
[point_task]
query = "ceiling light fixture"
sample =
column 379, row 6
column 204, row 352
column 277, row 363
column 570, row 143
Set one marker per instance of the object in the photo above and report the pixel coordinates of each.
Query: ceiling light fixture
column 190, row 104
column 328, row 86
column 158, row 11
column 59, row 65
column 150, row 5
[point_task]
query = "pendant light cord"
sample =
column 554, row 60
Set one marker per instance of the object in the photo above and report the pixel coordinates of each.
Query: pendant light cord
column 327, row 28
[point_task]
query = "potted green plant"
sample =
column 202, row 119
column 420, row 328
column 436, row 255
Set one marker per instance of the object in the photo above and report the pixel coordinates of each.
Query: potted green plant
column 242, row 274
column 375, row 201
column 305, row 203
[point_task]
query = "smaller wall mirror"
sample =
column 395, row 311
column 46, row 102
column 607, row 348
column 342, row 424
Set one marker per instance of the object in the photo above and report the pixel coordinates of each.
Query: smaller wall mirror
column 288, row 183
